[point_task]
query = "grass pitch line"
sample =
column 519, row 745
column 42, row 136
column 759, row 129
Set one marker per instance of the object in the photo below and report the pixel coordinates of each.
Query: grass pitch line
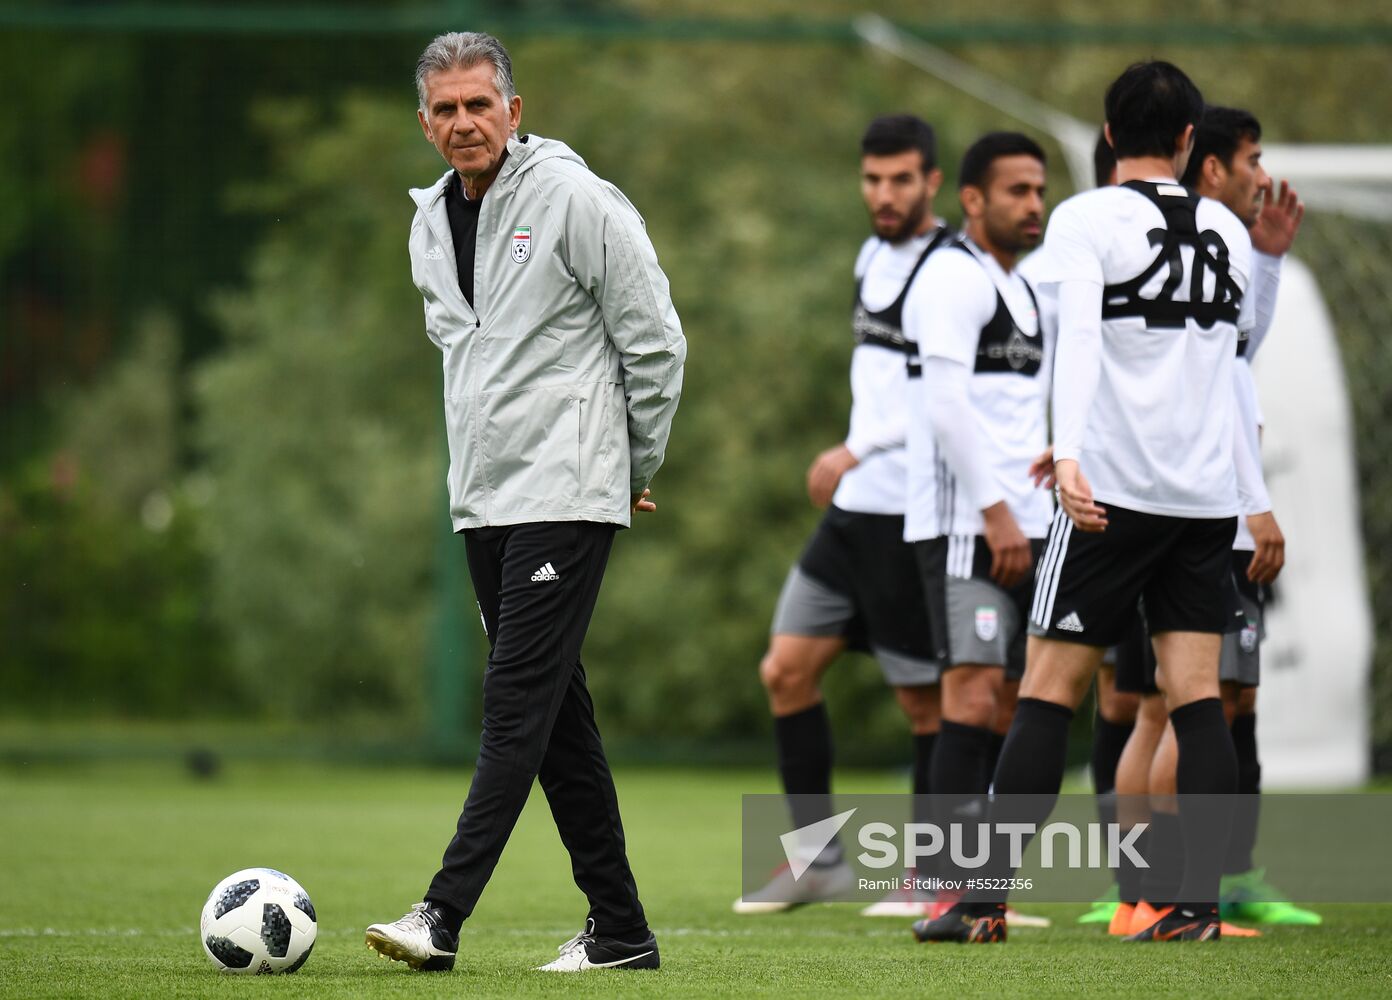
column 352, row 932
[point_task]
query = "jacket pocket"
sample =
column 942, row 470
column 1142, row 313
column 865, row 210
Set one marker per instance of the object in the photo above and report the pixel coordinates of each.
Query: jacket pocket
column 465, row 476
column 603, row 431
column 531, row 445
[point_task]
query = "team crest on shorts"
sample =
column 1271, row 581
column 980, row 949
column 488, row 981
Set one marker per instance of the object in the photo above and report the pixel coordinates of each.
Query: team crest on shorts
column 1248, row 637
column 987, row 624
column 521, row 244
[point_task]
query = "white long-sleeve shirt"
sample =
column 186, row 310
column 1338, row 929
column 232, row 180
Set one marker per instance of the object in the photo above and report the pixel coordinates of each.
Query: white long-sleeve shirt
column 879, row 388
column 1266, row 280
column 984, row 398
column 1147, row 412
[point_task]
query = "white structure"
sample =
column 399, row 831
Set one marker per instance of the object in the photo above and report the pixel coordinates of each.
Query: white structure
column 1312, row 714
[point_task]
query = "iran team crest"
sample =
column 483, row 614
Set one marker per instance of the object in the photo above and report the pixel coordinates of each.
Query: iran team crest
column 987, row 624
column 1249, row 636
column 521, row 244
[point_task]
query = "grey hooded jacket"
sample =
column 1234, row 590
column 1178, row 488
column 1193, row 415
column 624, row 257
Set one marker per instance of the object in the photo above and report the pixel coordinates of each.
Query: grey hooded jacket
column 561, row 382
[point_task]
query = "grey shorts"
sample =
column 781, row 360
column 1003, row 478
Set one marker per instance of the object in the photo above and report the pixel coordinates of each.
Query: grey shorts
column 1241, row 660
column 981, row 622
column 808, row 607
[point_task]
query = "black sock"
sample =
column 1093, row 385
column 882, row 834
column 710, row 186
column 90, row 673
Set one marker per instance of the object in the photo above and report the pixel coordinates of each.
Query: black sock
column 1243, row 838
column 451, row 918
column 960, row 779
column 1206, row 778
column 924, row 748
column 993, row 756
column 1035, row 753
column 1130, row 879
column 1031, row 768
column 961, row 760
column 804, row 764
column 1165, row 842
column 1108, row 741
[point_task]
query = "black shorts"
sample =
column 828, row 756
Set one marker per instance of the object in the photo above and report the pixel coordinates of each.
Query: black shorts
column 973, row 619
column 1135, row 656
column 1089, row 584
column 863, row 560
column 1135, row 659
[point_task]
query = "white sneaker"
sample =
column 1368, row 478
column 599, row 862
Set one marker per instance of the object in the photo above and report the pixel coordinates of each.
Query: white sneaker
column 819, row 884
column 901, row 902
column 1015, row 918
column 416, row 939
column 588, row 950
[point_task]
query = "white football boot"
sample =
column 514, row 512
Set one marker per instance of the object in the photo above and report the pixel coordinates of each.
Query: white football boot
column 416, row 939
column 587, row 950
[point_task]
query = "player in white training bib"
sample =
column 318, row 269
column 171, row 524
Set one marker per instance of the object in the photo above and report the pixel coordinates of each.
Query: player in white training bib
column 856, row 585
column 975, row 517
column 1150, row 282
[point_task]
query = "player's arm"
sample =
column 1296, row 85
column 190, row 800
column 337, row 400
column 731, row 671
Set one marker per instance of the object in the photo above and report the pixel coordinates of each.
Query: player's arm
column 947, row 390
column 1041, row 470
column 1254, row 501
column 1077, row 370
column 1272, row 235
column 949, row 304
column 1266, row 283
column 877, row 424
column 1072, row 270
column 870, row 385
column 825, row 472
column 878, row 389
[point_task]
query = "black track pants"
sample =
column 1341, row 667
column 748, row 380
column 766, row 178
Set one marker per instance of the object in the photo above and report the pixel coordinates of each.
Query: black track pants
column 536, row 585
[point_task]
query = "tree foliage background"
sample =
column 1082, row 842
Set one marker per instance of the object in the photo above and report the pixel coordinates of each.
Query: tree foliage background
column 222, row 466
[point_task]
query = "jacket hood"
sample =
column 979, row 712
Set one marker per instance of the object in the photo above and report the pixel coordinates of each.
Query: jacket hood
column 524, row 153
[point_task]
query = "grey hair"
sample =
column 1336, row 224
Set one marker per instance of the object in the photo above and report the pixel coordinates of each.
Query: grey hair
column 461, row 50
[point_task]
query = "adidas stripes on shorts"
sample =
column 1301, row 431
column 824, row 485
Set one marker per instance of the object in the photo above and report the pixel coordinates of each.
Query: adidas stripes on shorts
column 1088, row 584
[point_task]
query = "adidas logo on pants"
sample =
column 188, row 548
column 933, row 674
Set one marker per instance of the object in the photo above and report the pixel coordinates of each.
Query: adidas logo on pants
column 547, row 572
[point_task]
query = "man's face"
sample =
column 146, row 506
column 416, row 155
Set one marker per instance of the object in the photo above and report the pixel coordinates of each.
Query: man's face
column 1010, row 210
column 1242, row 185
column 898, row 193
column 466, row 119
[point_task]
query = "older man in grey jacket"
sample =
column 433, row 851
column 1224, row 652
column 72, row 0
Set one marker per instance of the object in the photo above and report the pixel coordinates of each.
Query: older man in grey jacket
column 562, row 369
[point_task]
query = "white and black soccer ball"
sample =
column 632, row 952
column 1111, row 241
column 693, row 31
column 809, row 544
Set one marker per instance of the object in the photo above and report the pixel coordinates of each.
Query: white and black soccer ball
column 258, row 921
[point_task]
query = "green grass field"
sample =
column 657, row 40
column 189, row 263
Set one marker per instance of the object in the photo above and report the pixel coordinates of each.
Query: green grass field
column 105, row 869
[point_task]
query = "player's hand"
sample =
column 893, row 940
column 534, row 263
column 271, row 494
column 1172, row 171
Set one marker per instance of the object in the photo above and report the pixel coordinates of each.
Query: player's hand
column 826, row 472
column 1276, row 226
column 1270, row 554
column 1010, row 549
column 1041, row 470
column 1075, row 496
column 641, row 503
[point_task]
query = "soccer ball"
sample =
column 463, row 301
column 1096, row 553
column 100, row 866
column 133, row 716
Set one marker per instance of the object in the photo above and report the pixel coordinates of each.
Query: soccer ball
column 258, row 921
